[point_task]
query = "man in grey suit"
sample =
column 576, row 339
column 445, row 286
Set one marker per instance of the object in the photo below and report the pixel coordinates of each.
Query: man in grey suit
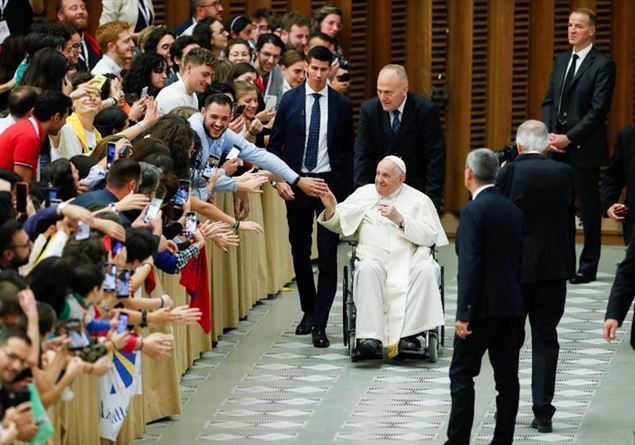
column 269, row 49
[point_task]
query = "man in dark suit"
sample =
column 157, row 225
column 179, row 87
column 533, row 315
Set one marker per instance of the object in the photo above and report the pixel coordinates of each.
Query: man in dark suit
column 405, row 124
column 548, row 258
column 313, row 134
column 621, row 296
column 489, row 304
column 621, row 172
column 574, row 110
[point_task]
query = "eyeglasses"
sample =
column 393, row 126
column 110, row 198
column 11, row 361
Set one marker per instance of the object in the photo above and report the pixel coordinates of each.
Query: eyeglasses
column 237, row 54
column 343, row 77
column 15, row 357
column 76, row 46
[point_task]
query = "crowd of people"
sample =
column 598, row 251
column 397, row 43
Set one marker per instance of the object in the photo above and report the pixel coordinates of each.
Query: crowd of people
column 115, row 147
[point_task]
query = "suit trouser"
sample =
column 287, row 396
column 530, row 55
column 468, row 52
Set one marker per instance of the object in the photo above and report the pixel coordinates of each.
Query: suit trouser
column 544, row 302
column 587, row 192
column 499, row 336
column 301, row 213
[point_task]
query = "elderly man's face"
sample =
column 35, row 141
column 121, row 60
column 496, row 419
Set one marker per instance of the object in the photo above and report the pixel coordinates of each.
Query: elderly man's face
column 388, row 178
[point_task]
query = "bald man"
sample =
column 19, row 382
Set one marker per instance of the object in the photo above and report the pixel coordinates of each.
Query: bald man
column 405, row 124
column 397, row 226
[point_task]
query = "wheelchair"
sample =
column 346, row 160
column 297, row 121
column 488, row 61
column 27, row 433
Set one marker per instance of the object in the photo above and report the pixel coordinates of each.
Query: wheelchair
column 432, row 341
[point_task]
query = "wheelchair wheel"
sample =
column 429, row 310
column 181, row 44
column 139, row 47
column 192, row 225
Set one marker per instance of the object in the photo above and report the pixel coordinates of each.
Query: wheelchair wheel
column 345, row 298
column 433, row 346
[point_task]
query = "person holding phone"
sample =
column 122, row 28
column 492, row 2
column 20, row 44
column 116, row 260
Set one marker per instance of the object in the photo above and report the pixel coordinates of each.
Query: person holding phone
column 211, row 125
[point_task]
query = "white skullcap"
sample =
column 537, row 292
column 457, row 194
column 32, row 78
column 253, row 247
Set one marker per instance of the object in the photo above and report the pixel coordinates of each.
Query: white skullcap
column 401, row 165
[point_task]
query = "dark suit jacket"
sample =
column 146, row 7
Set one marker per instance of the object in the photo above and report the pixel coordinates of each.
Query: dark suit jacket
column 621, row 172
column 489, row 243
column 287, row 135
column 178, row 29
column 623, row 290
column 543, row 191
column 420, row 143
column 590, row 97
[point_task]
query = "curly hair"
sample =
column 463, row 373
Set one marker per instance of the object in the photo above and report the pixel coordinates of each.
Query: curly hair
column 155, row 37
column 140, row 73
column 202, row 33
column 177, row 134
column 59, row 174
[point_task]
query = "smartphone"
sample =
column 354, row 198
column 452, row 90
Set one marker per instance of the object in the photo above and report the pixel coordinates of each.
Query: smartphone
column 154, row 208
column 212, row 162
column 99, row 80
column 76, row 334
column 123, row 283
column 271, row 101
column 183, row 192
column 117, row 246
column 21, row 193
column 233, row 153
column 144, row 92
column 111, row 150
column 17, row 397
column 190, row 224
column 83, row 231
column 110, row 277
column 51, row 196
column 123, row 324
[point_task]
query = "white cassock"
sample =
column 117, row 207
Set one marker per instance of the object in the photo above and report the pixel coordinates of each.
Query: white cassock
column 396, row 290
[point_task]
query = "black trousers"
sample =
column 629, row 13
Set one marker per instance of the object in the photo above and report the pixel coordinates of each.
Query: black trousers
column 301, row 214
column 587, row 192
column 500, row 337
column 544, row 302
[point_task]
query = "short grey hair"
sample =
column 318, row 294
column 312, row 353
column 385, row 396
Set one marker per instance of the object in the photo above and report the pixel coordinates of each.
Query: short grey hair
column 533, row 136
column 150, row 177
column 399, row 71
column 484, row 164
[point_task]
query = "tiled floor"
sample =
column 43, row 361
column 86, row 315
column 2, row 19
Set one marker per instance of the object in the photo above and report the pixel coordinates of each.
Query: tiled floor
column 264, row 384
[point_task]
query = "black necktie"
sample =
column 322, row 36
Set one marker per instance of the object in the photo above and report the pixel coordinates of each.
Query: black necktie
column 564, row 96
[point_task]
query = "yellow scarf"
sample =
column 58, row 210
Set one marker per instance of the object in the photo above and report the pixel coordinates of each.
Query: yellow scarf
column 73, row 121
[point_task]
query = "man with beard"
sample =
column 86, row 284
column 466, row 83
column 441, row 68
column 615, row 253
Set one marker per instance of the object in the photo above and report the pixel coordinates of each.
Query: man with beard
column 73, row 13
column 217, row 140
column 117, row 45
column 15, row 245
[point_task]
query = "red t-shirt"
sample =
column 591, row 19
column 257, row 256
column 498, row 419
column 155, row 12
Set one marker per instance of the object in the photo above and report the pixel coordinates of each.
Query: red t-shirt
column 20, row 145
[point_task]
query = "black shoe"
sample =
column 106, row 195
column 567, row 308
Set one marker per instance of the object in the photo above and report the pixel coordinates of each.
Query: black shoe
column 409, row 344
column 304, row 328
column 581, row 279
column 320, row 340
column 369, row 347
column 543, row 426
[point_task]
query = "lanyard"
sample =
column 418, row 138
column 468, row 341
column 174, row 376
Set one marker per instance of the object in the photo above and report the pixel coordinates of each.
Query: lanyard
column 145, row 12
column 3, row 6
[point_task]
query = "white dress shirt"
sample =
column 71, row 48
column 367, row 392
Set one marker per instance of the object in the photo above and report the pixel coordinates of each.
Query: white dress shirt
column 106, row 66
column 400, row 108
column 581, row 55
column 480, row 189
column 323, row 162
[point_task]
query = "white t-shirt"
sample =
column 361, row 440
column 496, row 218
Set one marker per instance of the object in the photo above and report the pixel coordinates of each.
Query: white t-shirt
column 69, row 144
column 173, row 96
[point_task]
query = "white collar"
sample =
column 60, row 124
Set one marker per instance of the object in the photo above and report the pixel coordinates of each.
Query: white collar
column 310, row 91
column 583, row 53
column 401, row 107
column 480, row 189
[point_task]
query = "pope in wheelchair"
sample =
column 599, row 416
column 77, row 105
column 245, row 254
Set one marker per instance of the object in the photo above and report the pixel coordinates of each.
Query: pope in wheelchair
column 396, row 291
